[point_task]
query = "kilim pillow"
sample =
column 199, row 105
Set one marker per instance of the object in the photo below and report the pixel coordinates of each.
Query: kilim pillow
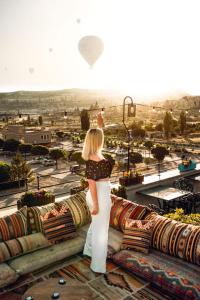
column 137, row 235
column 22, row 245
column 176, row 238
column 58, row 225
column 76, row 203
column 14, row 225
column 123, row 209
column 34, row 213
column 78, row 208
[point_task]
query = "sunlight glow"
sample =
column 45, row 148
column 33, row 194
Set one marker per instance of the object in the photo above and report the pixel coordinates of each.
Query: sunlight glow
column 151, row 48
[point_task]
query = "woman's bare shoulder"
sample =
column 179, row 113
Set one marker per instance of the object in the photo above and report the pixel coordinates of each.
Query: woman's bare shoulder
column 96, row 157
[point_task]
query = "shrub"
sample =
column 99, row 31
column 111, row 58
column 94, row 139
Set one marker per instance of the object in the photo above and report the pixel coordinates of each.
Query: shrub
column 109, row 157
column 77, row 156
column 136, row 158
column 179, row 215
column 120, row 192
column 39, row 150
column 159, row 152
column 4, row 171
column 36, row 199
column 11, row 145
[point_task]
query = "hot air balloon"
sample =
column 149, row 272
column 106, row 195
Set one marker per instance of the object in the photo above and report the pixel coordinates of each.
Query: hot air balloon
column 91, row 48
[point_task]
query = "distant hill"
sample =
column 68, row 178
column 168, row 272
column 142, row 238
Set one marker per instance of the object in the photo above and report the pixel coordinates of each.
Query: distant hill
column 185, row 102
column 53, row 93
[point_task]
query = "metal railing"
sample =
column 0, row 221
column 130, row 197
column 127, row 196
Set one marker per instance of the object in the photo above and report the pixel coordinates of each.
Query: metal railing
column 147, row 171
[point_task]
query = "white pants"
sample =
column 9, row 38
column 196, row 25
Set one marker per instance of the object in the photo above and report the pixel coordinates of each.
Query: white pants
column 96, row 244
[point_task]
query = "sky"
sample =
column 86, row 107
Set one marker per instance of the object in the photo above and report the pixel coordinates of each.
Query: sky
column 151, row 47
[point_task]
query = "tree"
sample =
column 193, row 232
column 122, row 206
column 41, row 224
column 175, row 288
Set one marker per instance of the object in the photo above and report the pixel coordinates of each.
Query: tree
column 149, row 127
column 85, row 120
column 159, row 153
column 82, row 135
column 57, row 154
column 19, row 169
column 39, row 150
column 135, row 158
column 11, row 145
column 148, row 145
column 1, row 143
column 28, row 120
column 138, row 133
column 40, row 120
column 159, row 127
column 60, row 134
column 182, row 122
column 77, row 156
column 109, row 157
column 4, row 171
column 168, row 124
column 25, row 148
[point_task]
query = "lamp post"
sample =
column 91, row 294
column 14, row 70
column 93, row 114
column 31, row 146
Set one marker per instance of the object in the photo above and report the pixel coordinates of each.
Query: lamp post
column 131, row 113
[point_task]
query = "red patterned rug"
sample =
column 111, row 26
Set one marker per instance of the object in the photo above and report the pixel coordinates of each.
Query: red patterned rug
column 116, row 284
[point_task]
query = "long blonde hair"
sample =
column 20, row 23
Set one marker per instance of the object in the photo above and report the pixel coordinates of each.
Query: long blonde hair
column 93, row 143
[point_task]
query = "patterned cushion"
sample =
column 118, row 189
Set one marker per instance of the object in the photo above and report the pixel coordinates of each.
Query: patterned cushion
column 169, row 273
column 34, row 213
column 123, row 209
column 76, row 203
column 14, row 225
column 137, row 235
column 21, row 245
column 58, row 225
column 176, row 238
column 79, row 209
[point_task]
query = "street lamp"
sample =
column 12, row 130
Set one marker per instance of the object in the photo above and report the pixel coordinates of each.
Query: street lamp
column 131, row 113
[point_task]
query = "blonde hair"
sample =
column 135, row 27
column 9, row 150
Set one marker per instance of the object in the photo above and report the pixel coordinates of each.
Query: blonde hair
column 93, row 143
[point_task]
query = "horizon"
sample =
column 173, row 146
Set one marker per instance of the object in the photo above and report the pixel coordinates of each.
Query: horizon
column 173, row 96
column 151, row 49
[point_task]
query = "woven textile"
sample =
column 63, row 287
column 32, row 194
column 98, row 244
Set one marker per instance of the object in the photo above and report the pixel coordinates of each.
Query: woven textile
column 14, row 225
column 76, row 203
column 171, row 274
column 34, row 214
column 22, row 245
column 137, row 235
column 79, row 209
column 176, row 238
column 123, row 209
column 58, row 225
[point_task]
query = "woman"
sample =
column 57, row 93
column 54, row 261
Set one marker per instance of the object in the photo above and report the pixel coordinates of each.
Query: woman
column 98, row 171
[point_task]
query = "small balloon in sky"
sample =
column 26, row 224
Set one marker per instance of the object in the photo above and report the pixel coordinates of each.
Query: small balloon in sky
column 50, row 49
column 31, row 70
column 91, row 47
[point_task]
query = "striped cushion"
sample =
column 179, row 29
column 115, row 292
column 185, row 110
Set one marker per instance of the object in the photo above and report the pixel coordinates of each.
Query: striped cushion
column 34, row 214
column 176, row 238
column 76, row 203
column 58, row 225
column 124, row 209
column 79, row 209
column 14, row 225
column 22, row 245
column 137, row 235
